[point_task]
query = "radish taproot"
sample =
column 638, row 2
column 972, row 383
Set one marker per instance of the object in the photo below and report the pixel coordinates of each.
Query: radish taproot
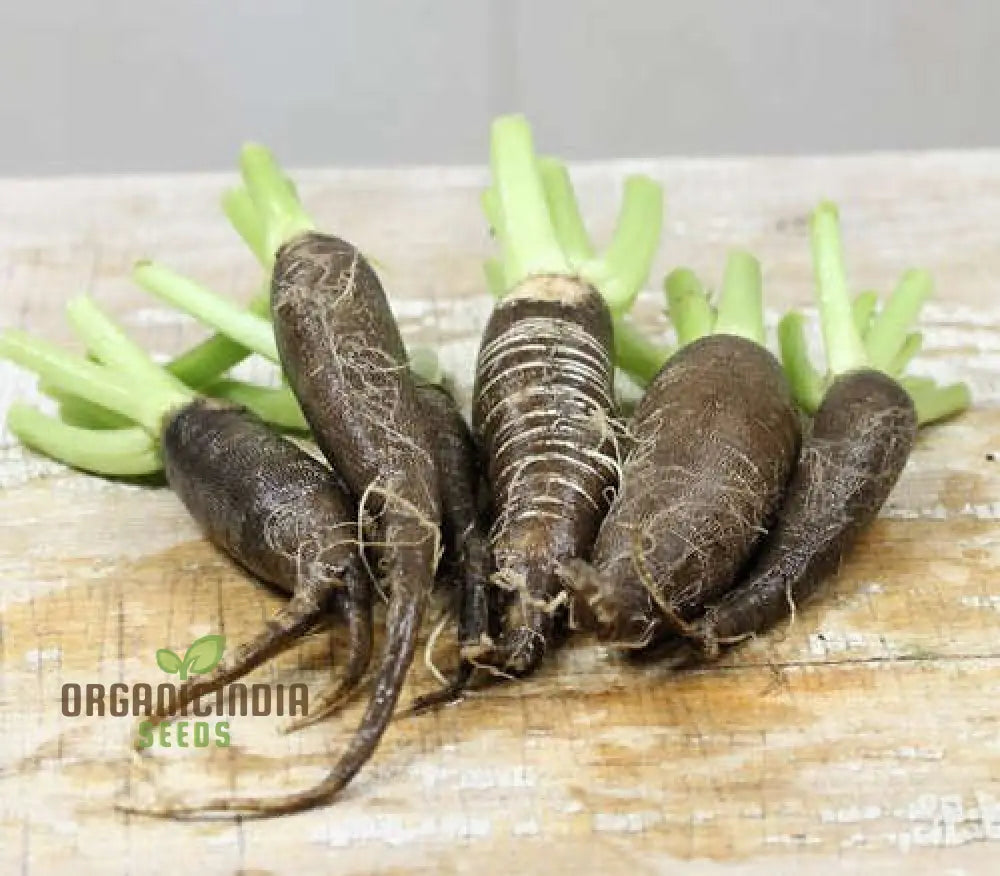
column 865, row 419
column 466, row 558
column 265, row 502
column 713, row 442
column 543, row 408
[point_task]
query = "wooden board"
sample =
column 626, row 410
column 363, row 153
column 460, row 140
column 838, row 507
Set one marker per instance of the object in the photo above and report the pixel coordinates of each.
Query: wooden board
column 863, row 738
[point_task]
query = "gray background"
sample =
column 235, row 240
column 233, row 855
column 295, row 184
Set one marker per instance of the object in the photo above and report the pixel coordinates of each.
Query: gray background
column 123, row 85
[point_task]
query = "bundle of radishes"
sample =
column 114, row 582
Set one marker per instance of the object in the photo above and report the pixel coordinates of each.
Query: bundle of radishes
column 705, row 517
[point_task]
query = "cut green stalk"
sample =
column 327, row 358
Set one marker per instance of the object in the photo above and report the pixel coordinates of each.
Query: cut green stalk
column 889, row 329
column 533, row 211
column 242, row 326
column 489, row 200
column 917, row 383
column 507, row 270
column 635, row 354
column 76, row 411
column 216, row 355
column 741, row 306
column 625, row 265
column 688, row 306
column 910, row 348
column 888, row 345
column 255, row 333
column 98, row 384
column 863, row 309
column 242, row 214
column 496, row 280
column 106, row 342
column 111, row 452
column 805, row 382
column 523, row 220
column 274, row 405
column 130, row 384
column 935, row 403
column 844, row 348
column 195, row 368
column 565, row 211
column 425, row 365
column 276, row 201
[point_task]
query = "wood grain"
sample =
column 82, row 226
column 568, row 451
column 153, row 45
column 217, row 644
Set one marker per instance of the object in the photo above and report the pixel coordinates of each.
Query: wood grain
column 864, row 737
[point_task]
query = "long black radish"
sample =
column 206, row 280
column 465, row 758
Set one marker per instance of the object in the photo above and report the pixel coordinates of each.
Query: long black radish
column 863, row 429
column 713, row 442
column 265, row 502
column 543, row 409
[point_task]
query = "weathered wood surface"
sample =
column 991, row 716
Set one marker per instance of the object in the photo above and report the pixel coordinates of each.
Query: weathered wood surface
column 864, row 738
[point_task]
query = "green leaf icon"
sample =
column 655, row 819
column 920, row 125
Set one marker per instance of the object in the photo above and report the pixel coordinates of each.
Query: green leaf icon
column 168, row 661
column 203, row 655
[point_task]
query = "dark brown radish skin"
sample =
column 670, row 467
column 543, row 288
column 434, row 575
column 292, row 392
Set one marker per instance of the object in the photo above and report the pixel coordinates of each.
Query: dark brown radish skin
column 465, row 563
column 713, row 444
column 543, row 415
column 862, row 435
column 464, row 569
column 280, row 514
column 343, row 356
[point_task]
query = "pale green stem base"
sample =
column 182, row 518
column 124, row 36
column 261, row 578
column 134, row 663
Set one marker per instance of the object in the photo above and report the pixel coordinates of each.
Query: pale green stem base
column 688, row 307
column 741, row 305
column 934, row 403
column 635, row 354
column 803, row 379
column 110, row 452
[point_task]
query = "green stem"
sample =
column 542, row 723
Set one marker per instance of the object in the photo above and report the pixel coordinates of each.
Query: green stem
column 844, row 348
column 106, row 341
column 888, row 330
column 741, row 306
column 636, row 354
column 146, row 405
column 216, row 355
column 531, row 244
column 496, row 281
column 910, row 348
column 276, row 202
column 490, row 201
column 935, row 403
column 195, row 368
column 624, row 268
column 805, row 382
column 250, row 330
column 424, row 365
column 913, row 382
column 76, row 411
column 863, row 309
column 688, row 306
column 111, row 452
column 274, row 405
column 242, row 214
column 565, row 211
